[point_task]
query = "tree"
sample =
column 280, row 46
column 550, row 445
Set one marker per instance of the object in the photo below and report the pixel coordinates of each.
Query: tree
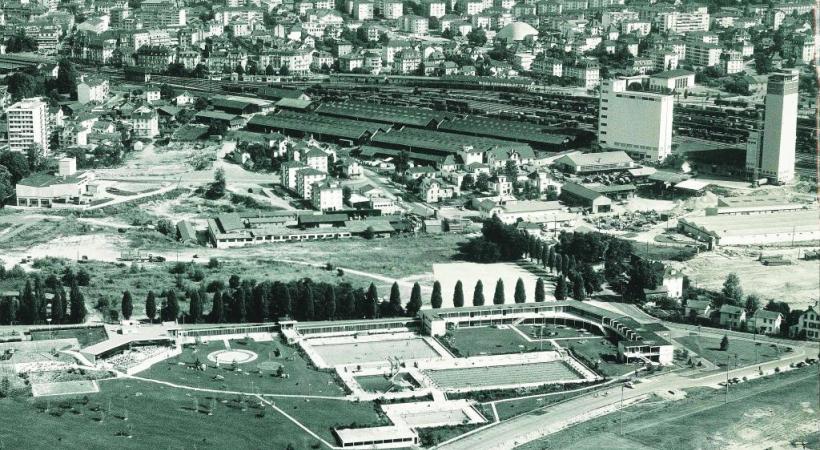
column 239, row 308
column 17, row 165
column 478, row 294
column 346, row 194
column 165, row 227
column 195, row 307
column 498, row 296
column 435, row 298
column 520, row 295
column 57, row 307
column 414, row 305
column 477, row 37
column 20, row 43
column 329, row 309
column 559, row 263
column 151, row 306
column 28, row 305
column 578, row 290
column 217, row 308
column 171, row 310
column 395, row 300
column 200, row 103
column 83, row 277
column 372, row 302
column 724, row 343
column 78, row 311
column 127, row 305
column 561, row 288
column 539, row 290
column 752, row 303
column 544, row 256
column 347, row 308
column 482, row 182
column 551, row 258
column 261, row 305
column 7, row 188
column 458, row 295
column 66, row 78
column 732, row 291
column 269, row 71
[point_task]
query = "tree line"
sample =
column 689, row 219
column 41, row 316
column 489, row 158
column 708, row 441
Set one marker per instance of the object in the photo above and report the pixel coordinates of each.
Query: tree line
column 43, row 301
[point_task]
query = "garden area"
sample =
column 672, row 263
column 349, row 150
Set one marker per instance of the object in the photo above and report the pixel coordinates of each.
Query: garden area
column 739, row 352
column 467, row 342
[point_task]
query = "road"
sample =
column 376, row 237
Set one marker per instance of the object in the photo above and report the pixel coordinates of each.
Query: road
column 529, row 427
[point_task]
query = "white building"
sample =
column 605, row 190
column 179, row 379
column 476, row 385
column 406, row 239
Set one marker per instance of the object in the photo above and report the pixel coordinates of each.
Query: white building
column 767, row 322
column 770, row 153
column 435, row 8
column 647, row 138
column 145, row 122
column 92, row 90
column 696, row 19
column 305, row 179
column 43, row 189
column 28, row 124
column 808, row 322
column 327, row 197
column 678, row 80
column 316, row 159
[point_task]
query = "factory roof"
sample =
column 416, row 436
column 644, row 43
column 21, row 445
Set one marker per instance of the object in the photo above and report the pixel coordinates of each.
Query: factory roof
column 732, row 225
column 399, row 115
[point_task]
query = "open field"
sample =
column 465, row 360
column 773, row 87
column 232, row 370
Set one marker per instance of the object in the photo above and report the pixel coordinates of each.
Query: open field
column 481, row 377
column 375, row 351
column 740, row 353
column 513, row 408
column 764, row 413
column 301, row 378
column 448, row 274
column 489, row 341
column 795, row 284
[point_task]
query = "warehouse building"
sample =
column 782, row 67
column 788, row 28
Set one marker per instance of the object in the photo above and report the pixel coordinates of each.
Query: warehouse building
column 388, row 114
column 434, row 147
column 730, row 229
column 763, row 204
column 539, row 137
column 575, row 194
column 325, row 128
column 588, row 163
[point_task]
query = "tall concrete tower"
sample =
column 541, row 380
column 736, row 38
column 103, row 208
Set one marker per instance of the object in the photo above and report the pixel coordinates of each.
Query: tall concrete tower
column 770, row 152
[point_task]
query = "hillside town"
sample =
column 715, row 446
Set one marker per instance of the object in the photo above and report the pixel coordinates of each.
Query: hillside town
column 449, row 224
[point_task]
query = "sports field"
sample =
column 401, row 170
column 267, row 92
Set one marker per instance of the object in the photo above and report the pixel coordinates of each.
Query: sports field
column 375, row 351
column 64, row 388
column 467, row 342
column 448, row 274
column 514, row 374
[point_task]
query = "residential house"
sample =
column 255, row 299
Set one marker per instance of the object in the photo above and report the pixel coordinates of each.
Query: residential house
column 732, row 317
column 767, row 322
column 808, row 324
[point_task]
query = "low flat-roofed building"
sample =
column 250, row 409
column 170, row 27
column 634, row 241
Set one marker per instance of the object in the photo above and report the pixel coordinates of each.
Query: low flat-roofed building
column 759, row 204
column 787, row 226
column 67, row 185
column 391, row 436
column 677, row 80
column 534, row 211
column 583, row 163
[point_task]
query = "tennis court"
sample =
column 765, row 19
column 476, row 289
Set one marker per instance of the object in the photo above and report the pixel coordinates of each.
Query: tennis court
column 375, row 351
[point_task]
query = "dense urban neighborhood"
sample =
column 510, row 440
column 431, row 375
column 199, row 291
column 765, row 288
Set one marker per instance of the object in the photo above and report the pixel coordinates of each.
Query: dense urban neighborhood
column 374, row 224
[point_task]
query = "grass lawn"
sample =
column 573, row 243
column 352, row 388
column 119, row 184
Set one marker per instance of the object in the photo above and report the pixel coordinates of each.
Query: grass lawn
column 302, row 379
column 524, row 405
column 433, row 436
column 85, row 336
column 764, row 413
column 489, row 341
column 321, row 416
column 747, row 352
column 158, row 417
column 535, row 332
column 603, row 351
